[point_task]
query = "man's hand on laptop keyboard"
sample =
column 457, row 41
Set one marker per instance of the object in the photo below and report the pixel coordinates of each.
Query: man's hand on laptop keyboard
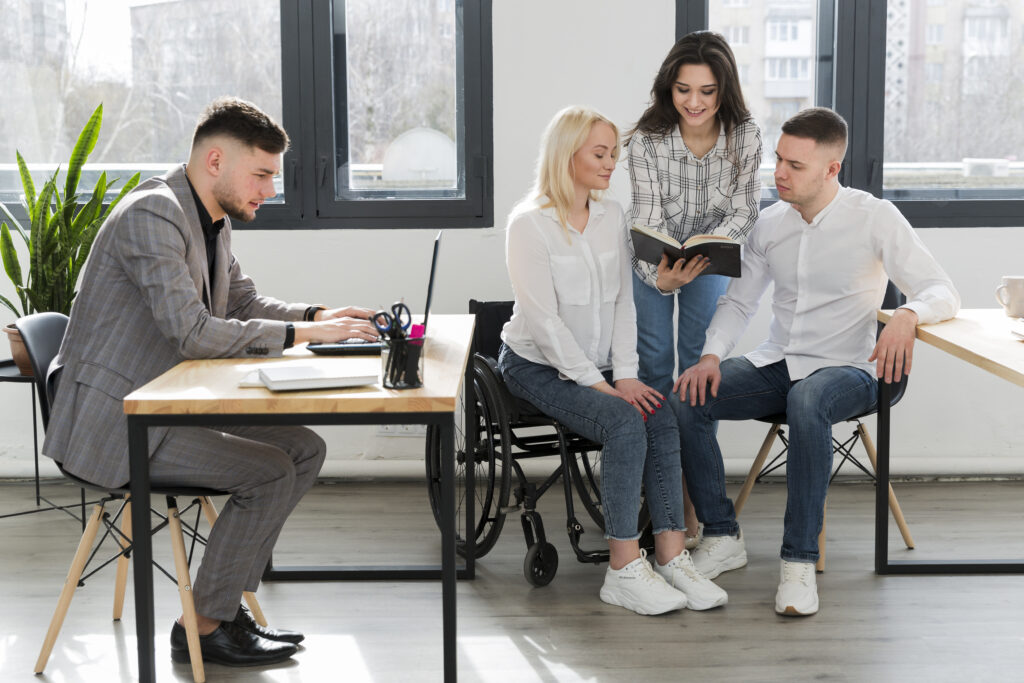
column 337, row 324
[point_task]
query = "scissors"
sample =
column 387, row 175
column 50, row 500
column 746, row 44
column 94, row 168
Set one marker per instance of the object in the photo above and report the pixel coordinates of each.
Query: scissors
column 394, row 324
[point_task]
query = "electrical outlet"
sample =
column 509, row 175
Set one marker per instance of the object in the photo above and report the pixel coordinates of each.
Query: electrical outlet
column 402, row 430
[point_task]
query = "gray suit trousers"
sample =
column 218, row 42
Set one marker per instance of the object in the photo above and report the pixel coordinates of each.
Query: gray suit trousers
column 267, row 470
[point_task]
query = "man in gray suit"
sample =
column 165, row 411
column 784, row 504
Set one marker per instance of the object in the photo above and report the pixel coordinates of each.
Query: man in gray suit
column 162, row 286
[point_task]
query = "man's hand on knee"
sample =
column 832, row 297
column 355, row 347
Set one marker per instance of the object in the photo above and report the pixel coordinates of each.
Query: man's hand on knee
column 696, row 380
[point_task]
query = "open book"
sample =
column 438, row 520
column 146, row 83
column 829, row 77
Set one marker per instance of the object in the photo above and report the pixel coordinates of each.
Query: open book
column 725, row 253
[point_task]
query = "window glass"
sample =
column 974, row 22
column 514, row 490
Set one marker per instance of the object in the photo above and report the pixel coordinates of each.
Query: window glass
column 153, row 66
column 953, row 83
column 399, row 123
column 776, row 57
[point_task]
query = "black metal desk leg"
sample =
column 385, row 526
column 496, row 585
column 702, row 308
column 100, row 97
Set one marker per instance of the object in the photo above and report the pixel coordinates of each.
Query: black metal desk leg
column 138, row 458
column 448, row 549
column 882, row 481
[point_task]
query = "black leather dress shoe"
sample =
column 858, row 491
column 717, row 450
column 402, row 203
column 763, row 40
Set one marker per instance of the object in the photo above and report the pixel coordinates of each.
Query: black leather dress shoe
column 231, row 646
column 245, row 621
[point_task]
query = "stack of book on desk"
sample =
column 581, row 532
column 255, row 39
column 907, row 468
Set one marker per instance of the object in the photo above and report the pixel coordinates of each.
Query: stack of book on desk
column 309, row 376
column 1017, row 328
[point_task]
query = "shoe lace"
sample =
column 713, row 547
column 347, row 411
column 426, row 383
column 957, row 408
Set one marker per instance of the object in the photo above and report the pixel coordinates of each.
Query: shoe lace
column 684, row 563
column 797, row 571
column 647, row 572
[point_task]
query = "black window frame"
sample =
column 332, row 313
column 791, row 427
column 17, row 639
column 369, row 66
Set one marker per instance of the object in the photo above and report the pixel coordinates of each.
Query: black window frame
column 308, row 83
column 855, row 88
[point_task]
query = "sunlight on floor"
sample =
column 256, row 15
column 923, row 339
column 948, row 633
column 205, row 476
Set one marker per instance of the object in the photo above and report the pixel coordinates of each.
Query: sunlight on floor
column 484, row 652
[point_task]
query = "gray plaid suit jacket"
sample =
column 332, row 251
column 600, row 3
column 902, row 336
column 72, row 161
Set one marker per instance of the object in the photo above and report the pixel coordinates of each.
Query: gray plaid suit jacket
column 140, row 312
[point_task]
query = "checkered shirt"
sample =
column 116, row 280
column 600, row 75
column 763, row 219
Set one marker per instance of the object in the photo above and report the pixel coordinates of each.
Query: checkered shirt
column 681, row 195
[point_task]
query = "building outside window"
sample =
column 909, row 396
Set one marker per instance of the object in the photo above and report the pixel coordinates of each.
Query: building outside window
column 384, row 100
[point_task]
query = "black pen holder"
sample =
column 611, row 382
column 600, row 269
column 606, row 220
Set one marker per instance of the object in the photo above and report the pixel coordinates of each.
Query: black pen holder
column 401, row 363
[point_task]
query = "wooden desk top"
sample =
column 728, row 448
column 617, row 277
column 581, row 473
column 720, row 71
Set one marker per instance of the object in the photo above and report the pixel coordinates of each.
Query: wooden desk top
column 211, row 386
column 980, row 336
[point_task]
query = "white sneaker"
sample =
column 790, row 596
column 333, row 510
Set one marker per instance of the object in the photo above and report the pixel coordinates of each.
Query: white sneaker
column 798, row 590
column 693, row 541
column 636, row 587
column 700, row 592
column 717, row 554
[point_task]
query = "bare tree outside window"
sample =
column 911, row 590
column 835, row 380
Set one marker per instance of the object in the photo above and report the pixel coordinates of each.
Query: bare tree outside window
column 400, row 99
column 954, row 85
column 153, row 65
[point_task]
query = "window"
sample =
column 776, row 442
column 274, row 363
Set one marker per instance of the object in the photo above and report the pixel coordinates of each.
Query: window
column 778, row 70
column 736, row 35
column 152, row 66
column 787, row 69
column 782, row 30
column 400, row 109
column 960, row 141
column 929, row 90
column 387, row 102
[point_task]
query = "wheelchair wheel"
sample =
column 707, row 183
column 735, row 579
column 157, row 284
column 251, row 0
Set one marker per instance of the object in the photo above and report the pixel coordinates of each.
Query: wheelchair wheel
column 540, row 564
column 585, row 469
column 488, row 455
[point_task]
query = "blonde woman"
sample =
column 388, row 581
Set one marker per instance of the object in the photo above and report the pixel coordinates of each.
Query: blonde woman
column 570, row 349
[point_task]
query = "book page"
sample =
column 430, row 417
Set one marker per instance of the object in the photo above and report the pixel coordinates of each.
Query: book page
column 660, row 236
column 701, row 239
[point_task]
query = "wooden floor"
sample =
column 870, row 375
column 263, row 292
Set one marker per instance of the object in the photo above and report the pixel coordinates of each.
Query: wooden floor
column 870, row 628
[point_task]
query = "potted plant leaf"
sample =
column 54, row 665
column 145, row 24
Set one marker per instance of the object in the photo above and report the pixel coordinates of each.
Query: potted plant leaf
column 60, row 232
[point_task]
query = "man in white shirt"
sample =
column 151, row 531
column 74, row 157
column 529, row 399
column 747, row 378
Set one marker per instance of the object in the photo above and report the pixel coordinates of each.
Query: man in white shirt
column 829, row 250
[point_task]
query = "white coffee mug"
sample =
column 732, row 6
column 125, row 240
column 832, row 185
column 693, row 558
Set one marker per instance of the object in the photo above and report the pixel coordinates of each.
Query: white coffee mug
column 1011, row 295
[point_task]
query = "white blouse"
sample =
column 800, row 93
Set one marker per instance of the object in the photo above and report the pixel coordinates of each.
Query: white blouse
column 574, row 298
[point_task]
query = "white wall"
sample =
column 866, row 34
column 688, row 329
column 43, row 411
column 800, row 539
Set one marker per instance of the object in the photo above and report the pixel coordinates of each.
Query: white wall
column 955, row 419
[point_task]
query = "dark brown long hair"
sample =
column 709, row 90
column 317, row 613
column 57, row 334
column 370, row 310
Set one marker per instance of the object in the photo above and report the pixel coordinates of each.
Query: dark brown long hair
column 699, row 47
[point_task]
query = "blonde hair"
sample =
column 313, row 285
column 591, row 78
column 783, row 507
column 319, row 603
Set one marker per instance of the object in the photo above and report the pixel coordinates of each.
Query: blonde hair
column 554, row 185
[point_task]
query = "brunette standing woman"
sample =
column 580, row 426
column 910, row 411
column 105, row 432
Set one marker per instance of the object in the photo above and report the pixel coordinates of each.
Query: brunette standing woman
column 693, row 165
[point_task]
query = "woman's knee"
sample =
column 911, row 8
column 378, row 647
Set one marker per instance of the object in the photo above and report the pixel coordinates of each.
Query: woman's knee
column 625, row 422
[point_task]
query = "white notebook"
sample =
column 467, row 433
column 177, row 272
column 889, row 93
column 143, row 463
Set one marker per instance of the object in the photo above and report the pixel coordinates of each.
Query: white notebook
column 295, row 377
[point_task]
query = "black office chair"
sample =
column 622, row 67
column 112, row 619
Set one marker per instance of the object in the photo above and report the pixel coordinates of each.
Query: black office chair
column 893, row 299
column 42, row 334
column 509, row 429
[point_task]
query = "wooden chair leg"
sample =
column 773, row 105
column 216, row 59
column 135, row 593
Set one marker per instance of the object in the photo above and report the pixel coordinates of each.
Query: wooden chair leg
column 755, row 469
column 123, row 562
column 820, row 565
column 894, row 505
column 210, row 512
column 70, row 584
column 188, row 608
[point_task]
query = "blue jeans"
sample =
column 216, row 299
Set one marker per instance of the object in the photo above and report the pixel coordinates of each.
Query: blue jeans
column 697, row 303
column 812, row 405
column 634, row 452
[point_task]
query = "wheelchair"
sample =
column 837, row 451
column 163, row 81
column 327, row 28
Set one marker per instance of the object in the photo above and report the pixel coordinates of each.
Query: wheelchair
column 510, row 430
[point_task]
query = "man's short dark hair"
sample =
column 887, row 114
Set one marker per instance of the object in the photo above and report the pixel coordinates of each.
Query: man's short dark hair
column 243, row 121
column 822, row 125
